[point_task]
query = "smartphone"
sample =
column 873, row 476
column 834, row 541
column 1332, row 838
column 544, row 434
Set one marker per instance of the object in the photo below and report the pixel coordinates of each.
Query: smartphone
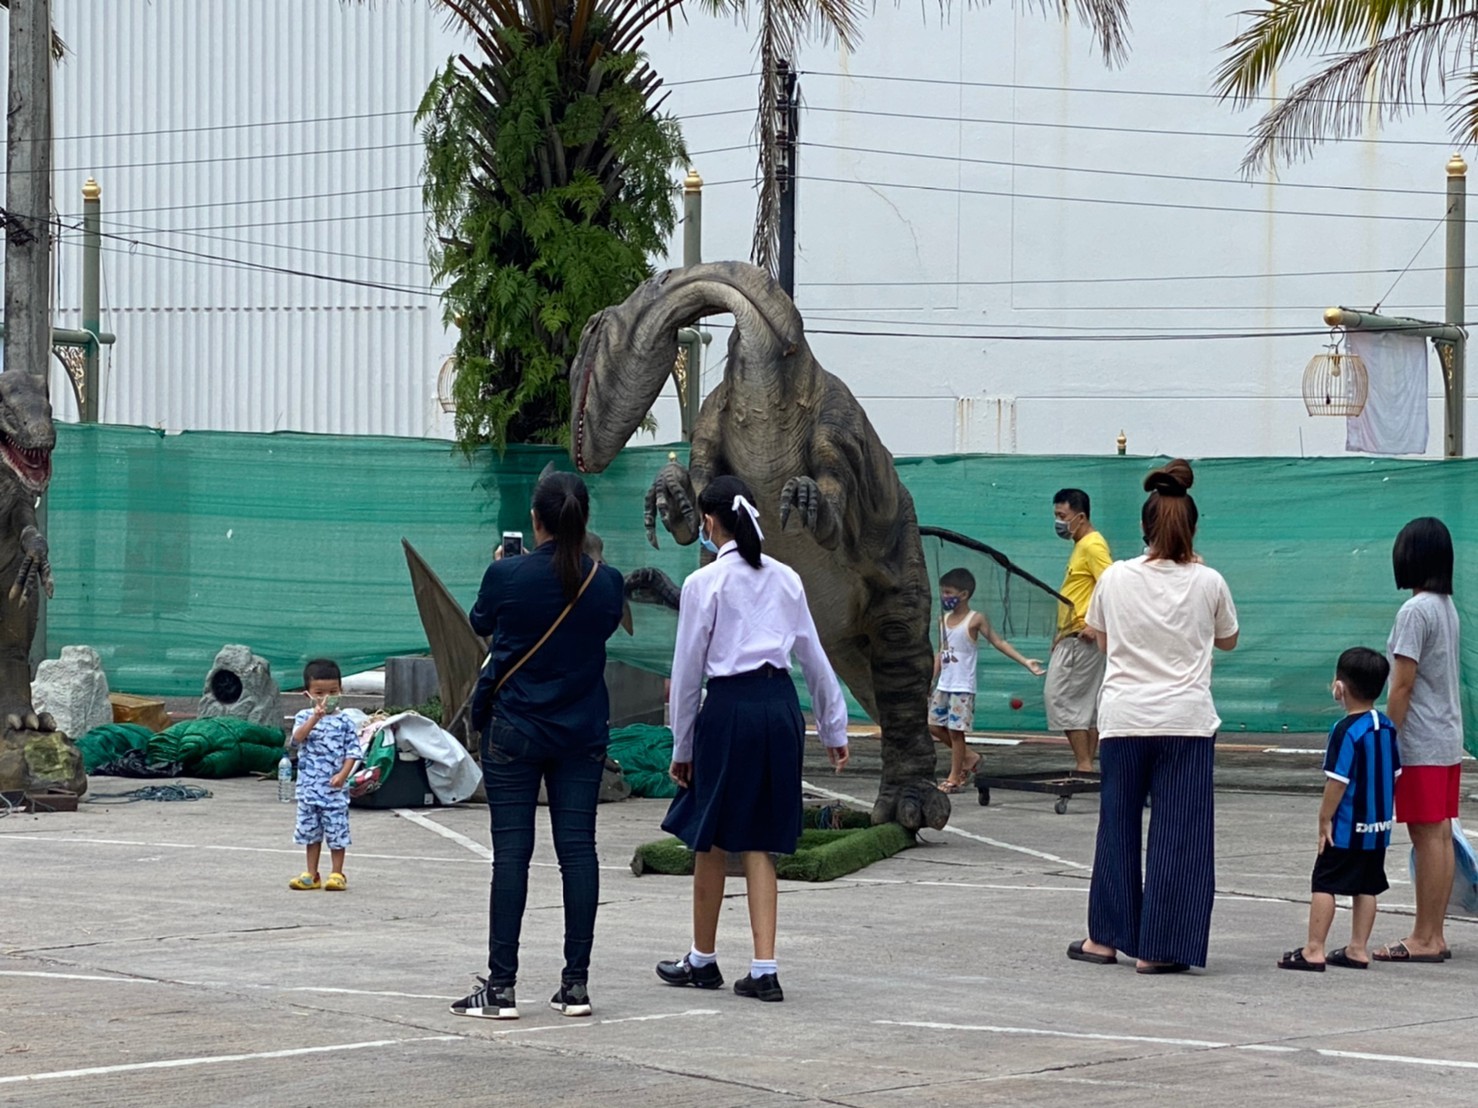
column 512, row 543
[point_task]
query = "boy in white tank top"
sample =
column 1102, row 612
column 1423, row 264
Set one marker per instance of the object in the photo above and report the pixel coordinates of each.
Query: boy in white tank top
column 952, row 707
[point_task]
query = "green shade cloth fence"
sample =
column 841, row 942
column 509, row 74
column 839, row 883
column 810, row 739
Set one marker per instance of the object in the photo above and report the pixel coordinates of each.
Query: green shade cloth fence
column 167, row 547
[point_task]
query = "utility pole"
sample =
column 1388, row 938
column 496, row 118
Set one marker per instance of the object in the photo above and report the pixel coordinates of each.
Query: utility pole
column 689, row 368
column 788, row 172
column 1448, row 337
column 1455, row 364
column 92, row 220
column 28, row 189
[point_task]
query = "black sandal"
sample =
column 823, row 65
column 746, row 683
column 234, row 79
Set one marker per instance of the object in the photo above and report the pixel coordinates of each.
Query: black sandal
column 1295, row 960
column 1076, row 952
column 1342, row 959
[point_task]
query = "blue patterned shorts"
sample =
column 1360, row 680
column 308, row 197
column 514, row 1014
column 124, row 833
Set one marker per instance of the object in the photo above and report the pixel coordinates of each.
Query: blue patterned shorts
column 322, row 823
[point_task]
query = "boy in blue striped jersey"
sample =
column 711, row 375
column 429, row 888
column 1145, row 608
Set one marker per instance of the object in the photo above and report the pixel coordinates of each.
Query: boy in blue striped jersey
column 1360, row 767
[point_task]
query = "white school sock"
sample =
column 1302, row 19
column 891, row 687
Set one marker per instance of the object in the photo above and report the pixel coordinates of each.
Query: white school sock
column 697, row 959
column 758, row 967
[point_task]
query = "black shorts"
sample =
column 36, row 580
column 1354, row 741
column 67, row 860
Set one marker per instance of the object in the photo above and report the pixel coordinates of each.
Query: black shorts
column 1343, row 872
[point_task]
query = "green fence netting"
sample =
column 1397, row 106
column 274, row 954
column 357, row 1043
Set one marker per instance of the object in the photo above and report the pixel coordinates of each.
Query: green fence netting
column 167, row 547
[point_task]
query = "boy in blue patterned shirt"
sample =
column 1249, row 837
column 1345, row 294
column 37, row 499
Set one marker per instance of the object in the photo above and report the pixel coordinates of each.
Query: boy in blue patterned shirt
column 1360, row 767
column 328, row 747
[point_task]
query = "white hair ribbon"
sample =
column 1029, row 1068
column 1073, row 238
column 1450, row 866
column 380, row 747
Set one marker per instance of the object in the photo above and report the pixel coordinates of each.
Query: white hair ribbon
column 754, row 513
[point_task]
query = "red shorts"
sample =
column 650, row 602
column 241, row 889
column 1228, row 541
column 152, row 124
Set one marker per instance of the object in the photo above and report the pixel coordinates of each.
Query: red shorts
column 1427, row 794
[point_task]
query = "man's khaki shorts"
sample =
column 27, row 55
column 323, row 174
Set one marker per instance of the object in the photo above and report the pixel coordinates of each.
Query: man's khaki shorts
column 1074, row 676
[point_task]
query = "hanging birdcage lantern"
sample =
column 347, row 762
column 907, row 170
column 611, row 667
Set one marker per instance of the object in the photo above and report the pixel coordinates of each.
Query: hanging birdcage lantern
column 1336, row 382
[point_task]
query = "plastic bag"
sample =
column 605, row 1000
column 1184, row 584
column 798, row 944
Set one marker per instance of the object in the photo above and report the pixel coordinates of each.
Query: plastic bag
column 1465, row 874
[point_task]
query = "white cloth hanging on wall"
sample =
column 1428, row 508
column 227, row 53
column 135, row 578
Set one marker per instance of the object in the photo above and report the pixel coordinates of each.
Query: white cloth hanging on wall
column 1395, row 417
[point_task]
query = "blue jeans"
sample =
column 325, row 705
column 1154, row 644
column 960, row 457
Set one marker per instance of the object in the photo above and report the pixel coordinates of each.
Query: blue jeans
column 513, row 765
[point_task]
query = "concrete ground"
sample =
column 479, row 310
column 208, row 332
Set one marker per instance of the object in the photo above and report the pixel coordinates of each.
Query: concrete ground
column 151, row 953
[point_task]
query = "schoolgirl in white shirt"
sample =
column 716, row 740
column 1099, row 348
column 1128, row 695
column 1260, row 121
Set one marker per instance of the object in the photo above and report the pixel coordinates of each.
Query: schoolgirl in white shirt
column 737, row 760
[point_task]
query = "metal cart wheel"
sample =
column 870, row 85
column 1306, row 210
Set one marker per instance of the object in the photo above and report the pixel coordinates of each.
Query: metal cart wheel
column 984, row 797
column 1061, row 806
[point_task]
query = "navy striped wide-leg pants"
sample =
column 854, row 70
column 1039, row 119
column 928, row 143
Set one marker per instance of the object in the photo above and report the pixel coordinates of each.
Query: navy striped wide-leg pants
column 1166, row 915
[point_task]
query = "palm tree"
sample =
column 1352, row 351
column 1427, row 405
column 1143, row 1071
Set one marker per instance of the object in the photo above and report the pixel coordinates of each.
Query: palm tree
column 1389, row 54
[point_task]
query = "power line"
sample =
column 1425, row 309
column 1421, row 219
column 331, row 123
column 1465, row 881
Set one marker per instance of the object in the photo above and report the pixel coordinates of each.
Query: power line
column 936, row 118
column 407, row 112
column 1018, row 87
column 1102, row 337
column 1118, row 280
column 1160, row 205
column 1242, row 182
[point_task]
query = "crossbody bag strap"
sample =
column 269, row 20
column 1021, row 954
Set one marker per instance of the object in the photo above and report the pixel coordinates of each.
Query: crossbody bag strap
column 553, row 627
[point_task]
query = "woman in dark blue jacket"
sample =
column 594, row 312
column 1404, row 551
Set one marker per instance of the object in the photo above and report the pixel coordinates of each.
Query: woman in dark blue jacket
column 542, row 709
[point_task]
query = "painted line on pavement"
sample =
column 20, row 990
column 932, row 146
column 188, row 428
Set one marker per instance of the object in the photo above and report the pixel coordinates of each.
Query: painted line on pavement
column 831, row 795
column 219, row 1059
column 1201, row 1044
column 445, row 832
column 209, row 846
column 472, row 844
column 222, row 985
column 574, row 1023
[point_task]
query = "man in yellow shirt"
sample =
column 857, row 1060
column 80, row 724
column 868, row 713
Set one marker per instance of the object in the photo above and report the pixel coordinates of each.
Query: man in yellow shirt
column 1075, row 671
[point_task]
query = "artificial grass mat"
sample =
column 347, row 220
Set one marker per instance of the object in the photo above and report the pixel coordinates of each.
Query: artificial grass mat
column 822, row 855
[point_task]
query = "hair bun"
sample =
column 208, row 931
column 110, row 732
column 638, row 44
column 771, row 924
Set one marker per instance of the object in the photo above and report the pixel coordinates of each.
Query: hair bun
column 1173, row 479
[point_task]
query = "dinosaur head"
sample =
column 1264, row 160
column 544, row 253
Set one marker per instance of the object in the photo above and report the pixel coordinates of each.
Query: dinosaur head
column 623, row 363
column 27, row 434
column 627, row 352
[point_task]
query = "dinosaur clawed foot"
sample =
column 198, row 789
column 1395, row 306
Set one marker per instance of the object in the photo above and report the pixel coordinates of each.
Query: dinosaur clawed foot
column 672, row 500
column 914, row 805
column 30, row 721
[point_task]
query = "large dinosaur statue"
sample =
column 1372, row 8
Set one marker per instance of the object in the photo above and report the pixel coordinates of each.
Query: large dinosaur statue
column 27, row 437
column 797, row 436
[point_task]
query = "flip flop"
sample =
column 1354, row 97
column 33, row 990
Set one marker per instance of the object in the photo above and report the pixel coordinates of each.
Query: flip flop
column 1399, row 952
column 1295, row 960
column 1076, row 952
column 1343, row 960
column 1163, row 967
column 950, row 786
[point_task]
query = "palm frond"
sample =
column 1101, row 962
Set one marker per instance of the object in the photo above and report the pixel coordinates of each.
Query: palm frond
column 1389, row 77
column 1462, row 110
column 1287, row 28
column 1107, row 19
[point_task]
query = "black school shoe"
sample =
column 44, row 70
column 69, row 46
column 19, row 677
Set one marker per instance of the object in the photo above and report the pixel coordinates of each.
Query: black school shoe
column 700, row 977
column 761, row 988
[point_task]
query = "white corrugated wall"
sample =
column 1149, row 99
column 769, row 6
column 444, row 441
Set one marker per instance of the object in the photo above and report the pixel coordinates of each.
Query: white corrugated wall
column 275, row 133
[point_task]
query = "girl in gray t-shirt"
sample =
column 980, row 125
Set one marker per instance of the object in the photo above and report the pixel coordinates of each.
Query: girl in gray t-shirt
column 1423, row 703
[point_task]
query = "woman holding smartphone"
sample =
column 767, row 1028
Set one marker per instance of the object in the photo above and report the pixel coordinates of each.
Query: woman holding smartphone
column 541, row 707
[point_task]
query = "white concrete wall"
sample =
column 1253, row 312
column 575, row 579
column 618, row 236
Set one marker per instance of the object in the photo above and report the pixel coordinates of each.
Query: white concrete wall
column 1022, row 271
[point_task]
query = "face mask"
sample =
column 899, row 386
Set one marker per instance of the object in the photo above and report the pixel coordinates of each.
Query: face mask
column 1062, row 529
column 1339, row 693
column 949, row 603
column 705, row 542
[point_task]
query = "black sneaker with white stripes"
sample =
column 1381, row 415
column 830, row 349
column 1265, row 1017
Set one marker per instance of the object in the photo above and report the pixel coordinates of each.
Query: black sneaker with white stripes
column 488, row 1002
column 573, row 999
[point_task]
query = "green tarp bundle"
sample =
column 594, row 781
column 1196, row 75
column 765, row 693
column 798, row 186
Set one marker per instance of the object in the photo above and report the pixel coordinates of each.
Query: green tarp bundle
column 216, row 748
column 644, row 753
column 110, row 742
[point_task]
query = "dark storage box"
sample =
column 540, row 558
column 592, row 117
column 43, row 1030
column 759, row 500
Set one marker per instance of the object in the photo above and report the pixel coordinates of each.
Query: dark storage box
column 406, row 787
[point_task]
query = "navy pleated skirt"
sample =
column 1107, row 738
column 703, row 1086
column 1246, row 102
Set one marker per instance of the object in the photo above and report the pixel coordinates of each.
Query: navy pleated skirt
column 747, row 750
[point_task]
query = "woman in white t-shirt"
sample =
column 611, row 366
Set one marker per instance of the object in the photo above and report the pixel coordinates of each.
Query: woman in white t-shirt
column 1157, row 618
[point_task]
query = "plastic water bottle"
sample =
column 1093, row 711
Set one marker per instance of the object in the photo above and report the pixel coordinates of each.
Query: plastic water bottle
column 285, row 780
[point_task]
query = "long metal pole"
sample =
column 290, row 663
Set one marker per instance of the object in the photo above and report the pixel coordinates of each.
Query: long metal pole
column 1455, row 376
column 92, row 219
column 28, row 189
column 692, row 397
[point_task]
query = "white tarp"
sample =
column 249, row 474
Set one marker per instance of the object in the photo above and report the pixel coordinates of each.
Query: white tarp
column 1395, row 417
column 452, row 773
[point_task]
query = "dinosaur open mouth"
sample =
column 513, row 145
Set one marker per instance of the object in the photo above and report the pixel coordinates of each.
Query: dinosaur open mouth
column 31, row 465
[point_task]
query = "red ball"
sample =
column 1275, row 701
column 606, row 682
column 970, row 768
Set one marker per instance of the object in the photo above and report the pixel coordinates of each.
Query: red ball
column 1016, row 703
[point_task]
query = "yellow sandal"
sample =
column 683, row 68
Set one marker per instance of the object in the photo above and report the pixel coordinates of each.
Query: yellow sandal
column 336, row 883
column 305, row 881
